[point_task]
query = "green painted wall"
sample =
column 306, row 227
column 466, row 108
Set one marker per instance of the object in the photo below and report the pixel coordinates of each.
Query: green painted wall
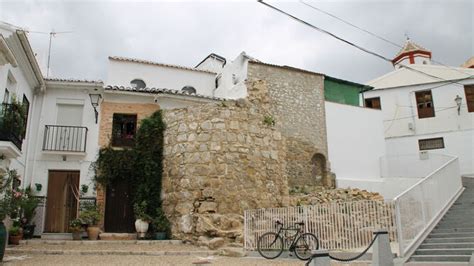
column 340, row 91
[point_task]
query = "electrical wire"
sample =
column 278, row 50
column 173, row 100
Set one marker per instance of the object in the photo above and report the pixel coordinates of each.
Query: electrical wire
column 344, row 40
column 371, row 33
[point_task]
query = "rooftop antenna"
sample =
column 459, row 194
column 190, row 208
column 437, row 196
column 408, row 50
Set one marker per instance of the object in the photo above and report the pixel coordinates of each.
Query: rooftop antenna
column 51, row 35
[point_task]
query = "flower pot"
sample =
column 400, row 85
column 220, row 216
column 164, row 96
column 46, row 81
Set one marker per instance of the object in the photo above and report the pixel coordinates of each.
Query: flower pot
column 15, row 240
column 77, row 235
column 141, row 227
column 93, row 232
column 160, row 235
column 28, row 231
column 3, row 238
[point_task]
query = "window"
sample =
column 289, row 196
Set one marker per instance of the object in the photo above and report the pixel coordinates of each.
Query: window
column 123, row 130
column 431, row 144
column 373, row 103
column 424, row 104
column 26, row 106
column 6, row 96
column 469, row 90
column 189, row 89
column 138, row 84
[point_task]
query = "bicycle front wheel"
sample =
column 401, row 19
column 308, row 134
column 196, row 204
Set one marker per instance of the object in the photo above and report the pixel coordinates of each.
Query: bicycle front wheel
column 270, row 245
column 305, row 244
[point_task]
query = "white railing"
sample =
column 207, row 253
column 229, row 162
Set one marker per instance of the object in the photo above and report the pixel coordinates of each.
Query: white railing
column 338, row 225
column 411, row 165
column 420, row 207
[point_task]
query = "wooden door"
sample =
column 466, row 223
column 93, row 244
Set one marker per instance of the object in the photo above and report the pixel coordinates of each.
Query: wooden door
column 62, row 200
column 119, row 217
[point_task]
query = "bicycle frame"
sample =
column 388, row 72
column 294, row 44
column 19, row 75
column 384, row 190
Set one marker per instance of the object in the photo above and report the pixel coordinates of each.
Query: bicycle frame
column 299, row 232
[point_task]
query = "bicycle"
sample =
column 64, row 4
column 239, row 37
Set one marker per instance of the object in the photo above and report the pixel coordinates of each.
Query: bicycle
column 270, row 245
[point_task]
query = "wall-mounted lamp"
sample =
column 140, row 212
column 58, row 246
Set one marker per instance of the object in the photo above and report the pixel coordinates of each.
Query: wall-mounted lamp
column 458, row 101
column 95, row 99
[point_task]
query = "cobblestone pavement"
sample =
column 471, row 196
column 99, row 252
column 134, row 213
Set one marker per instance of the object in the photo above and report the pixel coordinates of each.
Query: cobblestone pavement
column 142, row 260
column 151, row 260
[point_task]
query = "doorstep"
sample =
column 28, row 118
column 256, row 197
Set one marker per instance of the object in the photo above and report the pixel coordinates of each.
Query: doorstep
column 56, row 236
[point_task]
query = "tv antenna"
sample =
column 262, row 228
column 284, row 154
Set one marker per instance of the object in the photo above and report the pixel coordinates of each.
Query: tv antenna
column 52, row 34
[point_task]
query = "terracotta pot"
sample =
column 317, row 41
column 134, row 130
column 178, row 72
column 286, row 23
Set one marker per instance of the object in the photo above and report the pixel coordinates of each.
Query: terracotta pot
column 77, row 235
column 141, row 227
column 15, row 240
column 93, row 232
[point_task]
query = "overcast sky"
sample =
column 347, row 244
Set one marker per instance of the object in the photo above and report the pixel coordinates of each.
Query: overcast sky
column 184, row 32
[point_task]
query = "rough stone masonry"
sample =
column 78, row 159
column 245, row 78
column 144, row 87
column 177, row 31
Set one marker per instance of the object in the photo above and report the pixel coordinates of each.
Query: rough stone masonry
column 223, row 158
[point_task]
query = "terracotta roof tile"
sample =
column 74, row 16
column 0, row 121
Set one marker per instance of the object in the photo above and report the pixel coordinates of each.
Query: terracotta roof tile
column 160, row 90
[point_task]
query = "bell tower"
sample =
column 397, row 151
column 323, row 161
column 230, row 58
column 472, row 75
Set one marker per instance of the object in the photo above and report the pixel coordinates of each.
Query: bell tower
column 412, row 53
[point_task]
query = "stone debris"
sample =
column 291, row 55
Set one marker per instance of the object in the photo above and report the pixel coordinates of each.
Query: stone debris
column 318, row 195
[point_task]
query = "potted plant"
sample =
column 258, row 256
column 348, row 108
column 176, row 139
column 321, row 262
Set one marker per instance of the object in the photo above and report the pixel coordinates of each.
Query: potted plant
column 142, row 218
column 15, row 235
column 91, row 216
column 161, row 225
column 6, row 198
column 28, row 205
column 75, row 226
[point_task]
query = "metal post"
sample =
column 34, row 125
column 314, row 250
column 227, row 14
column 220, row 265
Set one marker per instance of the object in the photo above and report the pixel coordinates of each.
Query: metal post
column 320, row 258
column 382, row 253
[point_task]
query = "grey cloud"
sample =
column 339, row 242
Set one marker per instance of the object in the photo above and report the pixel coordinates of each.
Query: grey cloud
column 185, row 32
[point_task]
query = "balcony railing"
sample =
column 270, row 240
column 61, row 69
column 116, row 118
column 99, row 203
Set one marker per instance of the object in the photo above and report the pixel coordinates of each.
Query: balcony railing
column 65, row 138
column 12, row 124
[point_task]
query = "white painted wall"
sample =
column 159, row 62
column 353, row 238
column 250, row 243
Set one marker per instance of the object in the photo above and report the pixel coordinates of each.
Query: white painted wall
column 212, row 64
column 22, row 86
column 403, row 128
column 355, row 141
column 40, row 161
column 120, row 73
column 232, row 79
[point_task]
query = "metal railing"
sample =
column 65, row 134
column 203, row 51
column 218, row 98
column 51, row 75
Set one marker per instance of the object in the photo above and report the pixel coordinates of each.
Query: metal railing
column 421, row 206
column 65, row 138
column 12, row 124
column 338, row 225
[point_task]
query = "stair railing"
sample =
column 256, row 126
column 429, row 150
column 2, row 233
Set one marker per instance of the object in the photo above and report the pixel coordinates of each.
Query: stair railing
column 419, row 208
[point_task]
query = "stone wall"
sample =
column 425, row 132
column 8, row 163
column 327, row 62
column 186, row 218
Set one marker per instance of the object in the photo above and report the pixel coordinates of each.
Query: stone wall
column 221, row 159
column 296, row 102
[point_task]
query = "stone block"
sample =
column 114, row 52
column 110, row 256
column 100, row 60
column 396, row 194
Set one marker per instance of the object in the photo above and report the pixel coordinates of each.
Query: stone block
column 216, row 243
column 207, row 207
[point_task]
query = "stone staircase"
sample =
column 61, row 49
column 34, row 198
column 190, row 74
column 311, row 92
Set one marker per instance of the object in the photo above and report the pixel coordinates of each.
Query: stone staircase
column 452, row 240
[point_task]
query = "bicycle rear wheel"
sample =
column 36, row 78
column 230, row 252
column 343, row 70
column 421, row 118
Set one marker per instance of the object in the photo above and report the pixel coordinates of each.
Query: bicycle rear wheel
column 304, row 245
column 270, row 245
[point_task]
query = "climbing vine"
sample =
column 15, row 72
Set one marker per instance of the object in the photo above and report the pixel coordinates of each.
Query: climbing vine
column 141, row 166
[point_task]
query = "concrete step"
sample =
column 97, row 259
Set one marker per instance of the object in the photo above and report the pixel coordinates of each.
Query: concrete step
column 449, row 240
column 451, row 251
column 56, row 236
column 441, row 258
column 454, row 230
column 450, row 235
column 467, row 245
column 451, row 225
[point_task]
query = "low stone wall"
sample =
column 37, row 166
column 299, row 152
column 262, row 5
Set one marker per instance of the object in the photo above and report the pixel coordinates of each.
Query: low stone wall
column 220, row 159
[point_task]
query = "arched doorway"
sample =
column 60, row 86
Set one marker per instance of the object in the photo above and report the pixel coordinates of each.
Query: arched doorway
column 318, row 168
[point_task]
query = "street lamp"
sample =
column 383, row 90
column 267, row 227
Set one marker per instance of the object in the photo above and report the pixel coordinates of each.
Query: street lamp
column 95, row 98
column 458, row 101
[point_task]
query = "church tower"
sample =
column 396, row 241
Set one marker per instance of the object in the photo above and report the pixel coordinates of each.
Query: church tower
column 412, row 53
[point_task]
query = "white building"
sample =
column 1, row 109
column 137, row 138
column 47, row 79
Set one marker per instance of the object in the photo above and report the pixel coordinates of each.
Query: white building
column 20, row 83
column 426, row 107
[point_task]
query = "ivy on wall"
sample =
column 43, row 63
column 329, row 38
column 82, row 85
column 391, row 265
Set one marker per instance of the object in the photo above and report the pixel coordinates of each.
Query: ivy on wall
column 141, row 166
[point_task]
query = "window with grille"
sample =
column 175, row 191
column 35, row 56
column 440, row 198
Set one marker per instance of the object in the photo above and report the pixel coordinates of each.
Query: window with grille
column 373, row 103
column 123, row 130
column 469, row 91
column 424, row 104
column 431, row 144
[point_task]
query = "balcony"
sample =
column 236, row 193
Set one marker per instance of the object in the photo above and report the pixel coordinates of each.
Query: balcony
column 65, row 139
column 12, row 129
